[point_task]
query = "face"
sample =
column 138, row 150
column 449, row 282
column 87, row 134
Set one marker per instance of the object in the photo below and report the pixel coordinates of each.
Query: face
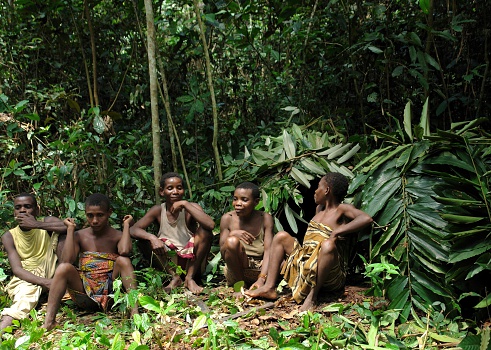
column 243, row 202
column 24, row 205
column 97, row 217
column 173, row 190
column 321, row 192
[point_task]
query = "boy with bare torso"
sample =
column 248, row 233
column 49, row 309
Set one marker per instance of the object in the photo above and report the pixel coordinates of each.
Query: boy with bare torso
column 320, row 261
column 103, row 254
column 245, row 238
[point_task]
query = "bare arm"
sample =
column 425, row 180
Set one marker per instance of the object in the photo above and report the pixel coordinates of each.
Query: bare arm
column 196, row 212
column 138, row 230
column 72, row 244
column 125, row 245
column 225, row 231
column 224, row 228
column 50, row 223
column 359, row 220
column 16, row 265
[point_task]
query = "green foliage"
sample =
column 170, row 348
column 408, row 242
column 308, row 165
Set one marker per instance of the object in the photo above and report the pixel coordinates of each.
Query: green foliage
column 430, row 197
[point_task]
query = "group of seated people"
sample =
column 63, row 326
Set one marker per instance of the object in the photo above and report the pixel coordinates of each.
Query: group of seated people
column 42, row 258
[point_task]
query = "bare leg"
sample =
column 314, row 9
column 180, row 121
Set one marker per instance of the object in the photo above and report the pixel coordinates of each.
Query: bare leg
column 66, row 275
column 124, row 268
column 328, row 258
column 282, row 245
column 234, row 255
column 202, row 245
column 5, row 322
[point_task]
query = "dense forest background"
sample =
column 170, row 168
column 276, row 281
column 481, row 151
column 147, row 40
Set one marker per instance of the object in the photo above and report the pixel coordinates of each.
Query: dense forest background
column 394, row 94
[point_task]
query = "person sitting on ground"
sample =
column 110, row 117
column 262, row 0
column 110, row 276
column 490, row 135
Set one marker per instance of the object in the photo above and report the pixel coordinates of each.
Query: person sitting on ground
column 321, row 261
column 31, row 250
column 184, row 228
column 245, row 237
column 103, row 255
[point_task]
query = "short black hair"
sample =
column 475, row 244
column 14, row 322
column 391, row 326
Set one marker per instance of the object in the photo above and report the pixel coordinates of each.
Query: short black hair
column 25, row 194
column 98, row 200
column 168, row 176
column 250, row 186
column 338, row 183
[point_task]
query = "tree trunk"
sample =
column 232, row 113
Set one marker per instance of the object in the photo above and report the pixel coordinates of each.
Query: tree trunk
column 212, row 90
column 152, row 68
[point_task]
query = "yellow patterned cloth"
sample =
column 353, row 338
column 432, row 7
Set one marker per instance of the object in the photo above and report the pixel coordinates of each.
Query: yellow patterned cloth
column 300, row 268
column 36, row 249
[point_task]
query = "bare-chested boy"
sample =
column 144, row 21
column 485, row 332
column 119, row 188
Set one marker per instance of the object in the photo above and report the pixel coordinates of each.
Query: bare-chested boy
column 184, row 228
column 320, row 262
column 30, row 248
column 102, row 252
column 245, row 237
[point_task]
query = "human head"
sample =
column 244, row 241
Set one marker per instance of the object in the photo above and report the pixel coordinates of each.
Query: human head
column 25, row 203
column 98, row 200
column 168, row 176
column 171, row 187
column 250, row 186
column 245, row 199
column 338, row 185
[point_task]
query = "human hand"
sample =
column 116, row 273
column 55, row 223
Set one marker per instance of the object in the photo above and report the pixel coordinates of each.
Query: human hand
column 128, row 220
column 177, row 206
column 46, row 285
column 69, row 222
column 27, row 221
column 244, row 236
column 157, row 245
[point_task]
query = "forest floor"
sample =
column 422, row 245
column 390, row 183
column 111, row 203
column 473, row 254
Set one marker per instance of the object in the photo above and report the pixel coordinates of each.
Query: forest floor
column 254, row 317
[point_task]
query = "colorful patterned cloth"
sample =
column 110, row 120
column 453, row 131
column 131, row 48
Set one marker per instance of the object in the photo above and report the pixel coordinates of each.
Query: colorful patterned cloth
column 300, row 269
column 187, row 252
column 96, row 270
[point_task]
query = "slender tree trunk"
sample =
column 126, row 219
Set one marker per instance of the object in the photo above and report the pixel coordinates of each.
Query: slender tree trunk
column 94, row 56
column 212, row 90
column 152, row 69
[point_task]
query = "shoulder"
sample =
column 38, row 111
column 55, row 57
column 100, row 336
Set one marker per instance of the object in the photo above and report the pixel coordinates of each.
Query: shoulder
column 7, row 237
column 51, row 219
column 154, row 211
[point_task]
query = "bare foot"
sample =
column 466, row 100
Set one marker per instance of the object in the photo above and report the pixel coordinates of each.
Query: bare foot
column 262, row 292
column 308, row 303
column 50, row 326
column 176, row 282
column 6, row 322
column 190, row 284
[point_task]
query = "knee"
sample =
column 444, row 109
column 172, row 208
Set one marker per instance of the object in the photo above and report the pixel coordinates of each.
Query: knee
column 328, row 247
column 281, row 236
column 202, row 235
column 231, row 244
column 65, row 269
column 123, row 262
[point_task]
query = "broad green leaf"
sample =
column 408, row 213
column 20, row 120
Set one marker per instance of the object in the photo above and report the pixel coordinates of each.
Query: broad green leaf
column 198, row 323
column 429, row 283
column 288, row 145
column 485, row 303
column 458, row 202
column 474, row 249
column 117, row 342
column 313, row 166
column 431, row 249
column 98, row 124
column 340, row 151
column 387, row 236
column 301, row 177
column 290, row 218
column 407, row 120
column 349, row 154
column 451, row 160
column 149, row 303
column 330, row 150
column 461, row 219
column 425, row 118
column 382, row 196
